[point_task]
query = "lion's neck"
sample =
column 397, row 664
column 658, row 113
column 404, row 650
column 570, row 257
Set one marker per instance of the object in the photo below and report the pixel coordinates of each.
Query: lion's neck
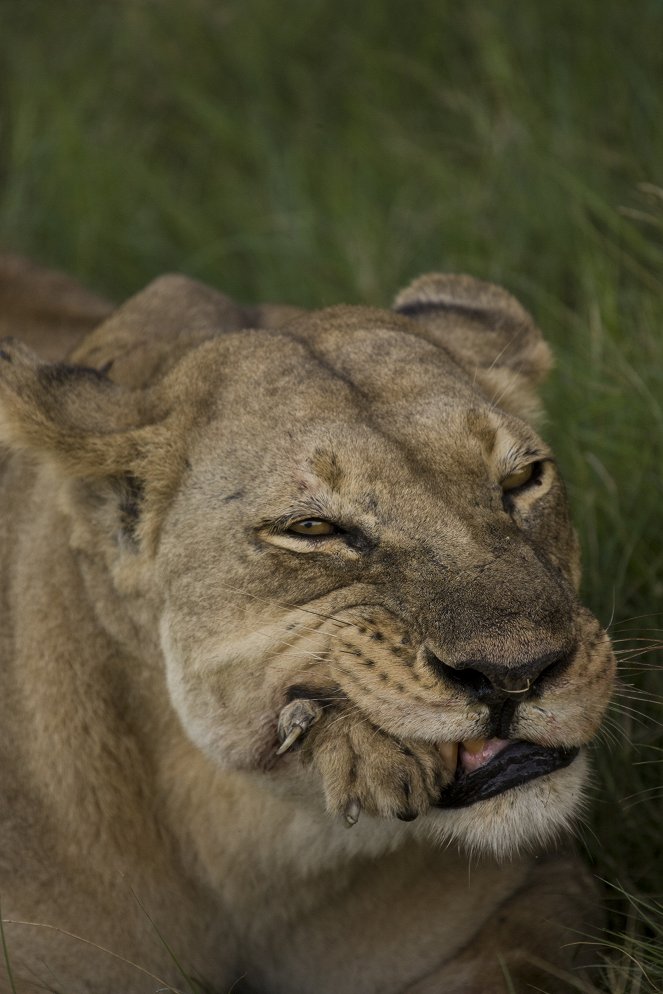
column 242, row 834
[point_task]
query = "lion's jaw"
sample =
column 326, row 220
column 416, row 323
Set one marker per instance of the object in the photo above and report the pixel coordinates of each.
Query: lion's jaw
column 526, row 818
column 236, row 729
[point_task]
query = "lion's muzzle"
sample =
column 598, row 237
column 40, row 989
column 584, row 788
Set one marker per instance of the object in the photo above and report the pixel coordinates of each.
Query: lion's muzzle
column 501, row 687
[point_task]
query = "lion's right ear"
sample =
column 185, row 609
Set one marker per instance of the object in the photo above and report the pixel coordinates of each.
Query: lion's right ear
column 72, row 415
column 487, row 331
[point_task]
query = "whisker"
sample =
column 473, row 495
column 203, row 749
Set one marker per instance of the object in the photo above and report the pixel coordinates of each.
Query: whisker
column 352, row 711
column 637, row 617
column 641, row 716
column 300, row 628
column 614, row 608
column 648, row 641
column 658, row 789
column 287, row 606
column 313, row 656
column 629, row 690
column 609, row 736
column 650, row 762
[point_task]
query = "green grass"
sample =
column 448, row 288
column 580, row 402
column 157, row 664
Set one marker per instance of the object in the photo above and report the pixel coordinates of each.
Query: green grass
column 319, row 152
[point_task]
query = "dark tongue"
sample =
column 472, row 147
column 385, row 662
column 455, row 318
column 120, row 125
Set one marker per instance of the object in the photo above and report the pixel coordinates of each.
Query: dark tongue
column 519, row 763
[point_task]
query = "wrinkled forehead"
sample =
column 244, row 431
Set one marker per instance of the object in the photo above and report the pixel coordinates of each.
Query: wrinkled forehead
column 364, row 363
column 366, row 403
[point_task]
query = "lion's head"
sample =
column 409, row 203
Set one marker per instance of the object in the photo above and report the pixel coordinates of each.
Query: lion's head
column 346, row 513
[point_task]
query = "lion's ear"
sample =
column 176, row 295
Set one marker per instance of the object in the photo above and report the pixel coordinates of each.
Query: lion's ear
column 147, row 336
column 487, row 331
column 72, row 415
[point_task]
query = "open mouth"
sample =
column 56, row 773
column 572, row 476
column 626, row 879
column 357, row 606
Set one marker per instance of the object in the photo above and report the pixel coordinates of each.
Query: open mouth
column 487, row 767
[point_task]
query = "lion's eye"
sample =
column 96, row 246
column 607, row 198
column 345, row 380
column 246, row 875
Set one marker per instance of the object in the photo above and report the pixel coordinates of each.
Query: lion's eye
column 519, row 478
column 312, row 526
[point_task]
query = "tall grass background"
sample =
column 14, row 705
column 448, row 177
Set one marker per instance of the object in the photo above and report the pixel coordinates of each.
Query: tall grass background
column 319, row 152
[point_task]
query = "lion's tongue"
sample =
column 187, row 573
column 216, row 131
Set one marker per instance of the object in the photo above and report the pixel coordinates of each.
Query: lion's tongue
column 474, row 753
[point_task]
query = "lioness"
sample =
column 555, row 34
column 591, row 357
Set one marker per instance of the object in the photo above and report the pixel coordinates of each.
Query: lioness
column 294, row 673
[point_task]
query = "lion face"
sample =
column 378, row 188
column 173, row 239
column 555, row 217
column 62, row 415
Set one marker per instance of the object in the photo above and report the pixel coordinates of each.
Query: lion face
column 406, row 550
column 342, row 523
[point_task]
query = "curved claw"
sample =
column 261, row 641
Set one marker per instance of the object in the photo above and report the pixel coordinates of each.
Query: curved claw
column 290, row 740
column 352, row 812
column 294, row 720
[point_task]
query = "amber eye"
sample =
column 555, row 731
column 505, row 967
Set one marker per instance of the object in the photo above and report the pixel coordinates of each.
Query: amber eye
column 312, row 526
column 519, row 478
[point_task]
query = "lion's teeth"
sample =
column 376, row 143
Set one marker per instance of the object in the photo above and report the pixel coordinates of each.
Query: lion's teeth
column 449, row 753
column 473, row 746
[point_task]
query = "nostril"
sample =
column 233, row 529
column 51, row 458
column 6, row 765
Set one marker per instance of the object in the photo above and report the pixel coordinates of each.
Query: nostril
column 467, row 678
column 551, row 670
column 483, row 678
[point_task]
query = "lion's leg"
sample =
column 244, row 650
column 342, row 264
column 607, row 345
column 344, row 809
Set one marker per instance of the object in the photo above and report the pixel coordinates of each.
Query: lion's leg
column 535, row 941
column 423, row 923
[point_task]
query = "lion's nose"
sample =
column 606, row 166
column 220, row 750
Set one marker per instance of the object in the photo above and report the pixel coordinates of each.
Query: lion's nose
column 488, row 681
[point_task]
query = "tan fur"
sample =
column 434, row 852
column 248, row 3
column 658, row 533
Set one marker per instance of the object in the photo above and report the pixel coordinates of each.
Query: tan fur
column 160, row 626
column 52, row 311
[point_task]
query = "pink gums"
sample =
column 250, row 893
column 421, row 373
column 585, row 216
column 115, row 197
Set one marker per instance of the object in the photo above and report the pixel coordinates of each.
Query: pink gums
column 470, row 761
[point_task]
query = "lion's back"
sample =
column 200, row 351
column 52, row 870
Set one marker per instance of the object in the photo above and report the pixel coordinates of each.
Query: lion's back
column 46, row 309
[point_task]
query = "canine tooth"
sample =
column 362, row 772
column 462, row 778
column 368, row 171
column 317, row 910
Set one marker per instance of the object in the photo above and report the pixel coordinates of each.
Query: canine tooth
column 449, row 753
column 474, row 746
column 352, row 812
column 289, row 740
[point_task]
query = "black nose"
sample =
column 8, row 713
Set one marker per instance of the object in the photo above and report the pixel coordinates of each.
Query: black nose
column 485, row 680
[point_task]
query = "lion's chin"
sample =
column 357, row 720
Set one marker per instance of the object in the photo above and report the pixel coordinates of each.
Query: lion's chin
column 518, row 812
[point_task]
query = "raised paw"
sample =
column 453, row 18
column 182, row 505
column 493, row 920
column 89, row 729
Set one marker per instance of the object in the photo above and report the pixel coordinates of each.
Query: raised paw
column 364, row 769
column 294, row 720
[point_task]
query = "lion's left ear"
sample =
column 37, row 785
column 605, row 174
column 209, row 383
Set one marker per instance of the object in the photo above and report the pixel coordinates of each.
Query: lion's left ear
column 487, row 331
column 71, row 415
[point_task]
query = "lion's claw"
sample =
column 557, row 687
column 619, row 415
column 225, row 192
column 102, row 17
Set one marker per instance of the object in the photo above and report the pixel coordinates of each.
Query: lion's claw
column 294, row 720
column 290, row 740
column 352, row 812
